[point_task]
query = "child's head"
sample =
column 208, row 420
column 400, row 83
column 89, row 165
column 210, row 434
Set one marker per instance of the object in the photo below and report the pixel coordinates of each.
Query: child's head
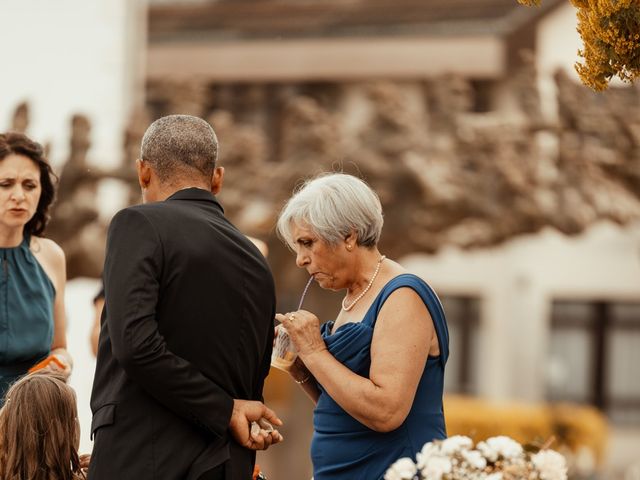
column 39, row 431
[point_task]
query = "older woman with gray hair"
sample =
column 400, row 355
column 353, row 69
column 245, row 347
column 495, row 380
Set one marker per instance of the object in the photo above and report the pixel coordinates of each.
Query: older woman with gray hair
column 376, row 372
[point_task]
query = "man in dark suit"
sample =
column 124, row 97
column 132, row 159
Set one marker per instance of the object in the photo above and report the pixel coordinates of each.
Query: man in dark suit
column 187, row 328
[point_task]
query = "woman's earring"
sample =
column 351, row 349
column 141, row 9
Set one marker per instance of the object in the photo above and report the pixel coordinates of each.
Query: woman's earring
column 349, row 247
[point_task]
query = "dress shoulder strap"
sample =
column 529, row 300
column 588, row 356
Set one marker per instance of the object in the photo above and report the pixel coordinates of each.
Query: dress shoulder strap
column 428, row 296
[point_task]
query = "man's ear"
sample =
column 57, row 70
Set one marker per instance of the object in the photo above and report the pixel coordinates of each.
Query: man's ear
column 217, row 179
column 144, row 173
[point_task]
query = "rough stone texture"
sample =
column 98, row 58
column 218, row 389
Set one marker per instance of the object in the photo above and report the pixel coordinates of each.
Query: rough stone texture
column 20, row 119
column 450, row 168
column 447, row 174
column 455, row 162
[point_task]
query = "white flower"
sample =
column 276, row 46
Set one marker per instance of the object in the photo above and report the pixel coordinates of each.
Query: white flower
column 436, row 468
column 550, row 464
column 487, row 451
column 494, row 476
column 456, row 459
column 402, row 469
column 429, row 450
column 455, row 444
column 474, row 458
column 500, row 446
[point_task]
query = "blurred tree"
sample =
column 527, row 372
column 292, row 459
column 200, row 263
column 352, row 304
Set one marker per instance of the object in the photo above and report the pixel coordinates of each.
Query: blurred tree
column 610, row 31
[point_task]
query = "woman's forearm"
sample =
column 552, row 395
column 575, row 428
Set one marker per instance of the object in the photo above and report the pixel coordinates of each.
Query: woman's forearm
column 310, row 387
column 358, row 396
column 305, row 379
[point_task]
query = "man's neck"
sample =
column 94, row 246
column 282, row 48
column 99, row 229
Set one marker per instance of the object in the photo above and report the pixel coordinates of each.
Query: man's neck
column 168, row 190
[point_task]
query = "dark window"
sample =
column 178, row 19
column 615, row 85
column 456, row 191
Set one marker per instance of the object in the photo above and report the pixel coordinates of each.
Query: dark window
column 483, row 95
column 594, row 356
column 463, row 319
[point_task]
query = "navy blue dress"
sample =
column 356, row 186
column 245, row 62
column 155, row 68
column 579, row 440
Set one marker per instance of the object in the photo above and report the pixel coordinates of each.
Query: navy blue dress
column 343, row 448
column 26, row 313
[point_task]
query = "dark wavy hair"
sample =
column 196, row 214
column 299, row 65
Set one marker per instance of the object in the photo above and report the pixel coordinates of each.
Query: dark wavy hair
column 19, row 144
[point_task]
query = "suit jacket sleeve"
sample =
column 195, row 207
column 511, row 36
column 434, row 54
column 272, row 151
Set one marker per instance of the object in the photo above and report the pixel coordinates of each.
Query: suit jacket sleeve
column 265, row 368
column 132, row 280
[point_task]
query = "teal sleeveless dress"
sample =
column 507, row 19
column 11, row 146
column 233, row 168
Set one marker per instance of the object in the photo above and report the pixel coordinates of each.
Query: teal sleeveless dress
column 26, row 313
column 343, row 448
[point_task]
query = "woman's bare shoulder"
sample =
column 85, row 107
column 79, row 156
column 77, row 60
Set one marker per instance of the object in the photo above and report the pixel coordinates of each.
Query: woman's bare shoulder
column 49, row 251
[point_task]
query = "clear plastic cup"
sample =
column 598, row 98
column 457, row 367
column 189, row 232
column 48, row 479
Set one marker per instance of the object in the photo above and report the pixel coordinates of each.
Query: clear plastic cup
column 283, row 354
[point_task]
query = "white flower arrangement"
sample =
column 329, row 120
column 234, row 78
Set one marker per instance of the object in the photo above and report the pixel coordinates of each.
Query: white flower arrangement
column 497, row 458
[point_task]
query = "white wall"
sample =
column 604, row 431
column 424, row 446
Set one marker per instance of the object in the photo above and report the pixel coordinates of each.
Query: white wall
column 516, row 283
column 80, row 317
column 557, row 43
column 481, row 56
column 72, row 56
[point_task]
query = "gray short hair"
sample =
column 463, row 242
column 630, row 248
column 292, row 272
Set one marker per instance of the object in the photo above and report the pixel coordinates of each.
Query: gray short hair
column 333, row 205
column 179, row 144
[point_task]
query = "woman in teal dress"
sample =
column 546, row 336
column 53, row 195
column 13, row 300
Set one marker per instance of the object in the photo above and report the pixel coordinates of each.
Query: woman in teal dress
column 32, row 274
column 376, row 372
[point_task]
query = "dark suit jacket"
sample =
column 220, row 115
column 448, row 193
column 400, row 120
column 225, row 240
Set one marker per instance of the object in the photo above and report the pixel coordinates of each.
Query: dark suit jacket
column 187, row 327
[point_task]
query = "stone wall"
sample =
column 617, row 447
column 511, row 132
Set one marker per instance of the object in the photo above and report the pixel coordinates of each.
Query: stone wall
column 455, row 162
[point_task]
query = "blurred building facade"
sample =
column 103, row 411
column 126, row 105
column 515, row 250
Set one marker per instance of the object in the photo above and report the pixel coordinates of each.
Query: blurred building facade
column 508, row 186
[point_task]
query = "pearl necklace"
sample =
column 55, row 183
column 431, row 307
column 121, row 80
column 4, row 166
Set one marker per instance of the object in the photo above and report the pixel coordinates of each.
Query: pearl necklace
column 375, row 274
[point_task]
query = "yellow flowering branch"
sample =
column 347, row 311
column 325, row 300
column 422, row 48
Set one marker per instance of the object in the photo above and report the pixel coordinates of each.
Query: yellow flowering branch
column 610, row 32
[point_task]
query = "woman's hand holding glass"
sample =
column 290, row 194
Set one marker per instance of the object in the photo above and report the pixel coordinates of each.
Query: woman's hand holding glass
column 303, row 328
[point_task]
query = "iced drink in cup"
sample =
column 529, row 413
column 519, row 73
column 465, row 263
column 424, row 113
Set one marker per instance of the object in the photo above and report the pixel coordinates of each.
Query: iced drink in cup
column 283, row 354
